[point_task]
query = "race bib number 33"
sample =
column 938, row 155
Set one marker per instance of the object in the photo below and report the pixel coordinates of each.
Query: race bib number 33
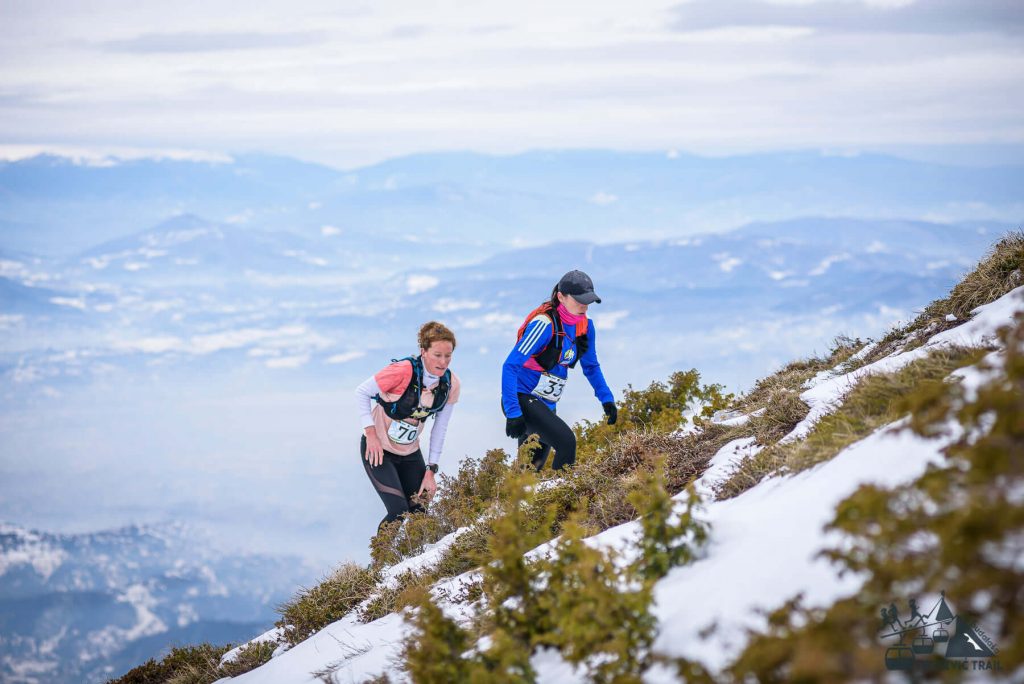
column 401, row 432
column 549, row 387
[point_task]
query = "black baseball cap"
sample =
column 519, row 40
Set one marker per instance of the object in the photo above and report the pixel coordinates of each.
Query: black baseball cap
column 579, row 285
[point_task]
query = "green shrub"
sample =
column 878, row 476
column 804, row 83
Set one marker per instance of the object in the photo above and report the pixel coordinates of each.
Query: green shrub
column 405, row 538
column 463, row 498
column 434, row 654
column 436, row 649
column 576, row 598
column 658, row 408
column 671, row 536
column 595, row 612
column 516, row 528
column 338, row 594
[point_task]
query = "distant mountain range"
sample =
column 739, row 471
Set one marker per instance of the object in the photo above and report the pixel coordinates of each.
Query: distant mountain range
column 55, row 206
column 82, row 607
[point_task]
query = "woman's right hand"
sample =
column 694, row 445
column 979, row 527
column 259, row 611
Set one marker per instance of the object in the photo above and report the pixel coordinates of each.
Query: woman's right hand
column 515, row 427
column 374, row 450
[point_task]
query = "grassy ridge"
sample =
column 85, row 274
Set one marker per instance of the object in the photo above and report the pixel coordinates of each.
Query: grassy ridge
column 613, row 462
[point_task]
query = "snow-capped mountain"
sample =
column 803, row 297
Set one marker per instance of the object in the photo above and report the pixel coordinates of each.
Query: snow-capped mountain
column 82, row 607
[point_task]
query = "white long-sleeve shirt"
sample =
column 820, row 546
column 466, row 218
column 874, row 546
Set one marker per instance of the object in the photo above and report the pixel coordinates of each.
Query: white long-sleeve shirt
column 365, row 402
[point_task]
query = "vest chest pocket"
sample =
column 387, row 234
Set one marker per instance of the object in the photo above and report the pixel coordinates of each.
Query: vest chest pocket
column 549, row 387
column 403, row 433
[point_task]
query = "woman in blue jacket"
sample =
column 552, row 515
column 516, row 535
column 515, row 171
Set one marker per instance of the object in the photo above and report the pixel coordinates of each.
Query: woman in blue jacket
column 554, row 337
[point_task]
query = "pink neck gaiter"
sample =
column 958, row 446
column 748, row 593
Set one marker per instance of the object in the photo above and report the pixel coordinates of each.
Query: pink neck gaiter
column 567, row 317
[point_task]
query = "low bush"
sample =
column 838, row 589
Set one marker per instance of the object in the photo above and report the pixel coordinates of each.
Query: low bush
column 248, row 658
column 580, row 599
column 658, row 408
column 462, row 498
column 184, row 665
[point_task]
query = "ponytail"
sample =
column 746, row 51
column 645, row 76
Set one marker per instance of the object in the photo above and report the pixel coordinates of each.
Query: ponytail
column 554, row 298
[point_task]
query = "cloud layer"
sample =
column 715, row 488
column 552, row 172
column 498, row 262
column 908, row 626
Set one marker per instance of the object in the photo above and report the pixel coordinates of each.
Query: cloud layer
column 355, row 84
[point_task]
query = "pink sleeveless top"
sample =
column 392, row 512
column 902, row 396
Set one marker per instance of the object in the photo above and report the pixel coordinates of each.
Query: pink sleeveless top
column 393, row 380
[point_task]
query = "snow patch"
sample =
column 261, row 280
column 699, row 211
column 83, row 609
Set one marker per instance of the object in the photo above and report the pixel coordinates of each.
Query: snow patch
column 724, row 462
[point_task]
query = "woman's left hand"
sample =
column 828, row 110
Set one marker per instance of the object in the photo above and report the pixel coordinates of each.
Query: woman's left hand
column 428, row 487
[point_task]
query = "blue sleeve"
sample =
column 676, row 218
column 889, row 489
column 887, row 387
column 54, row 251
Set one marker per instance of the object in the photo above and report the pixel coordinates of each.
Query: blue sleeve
column 592, row 368
column 534, row 338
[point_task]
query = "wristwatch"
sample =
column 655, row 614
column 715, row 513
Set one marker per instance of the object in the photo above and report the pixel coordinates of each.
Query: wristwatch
column 432, row 467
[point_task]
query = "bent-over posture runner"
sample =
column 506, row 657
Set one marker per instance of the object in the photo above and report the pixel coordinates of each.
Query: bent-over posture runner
column 394, row 405
column 553, row 338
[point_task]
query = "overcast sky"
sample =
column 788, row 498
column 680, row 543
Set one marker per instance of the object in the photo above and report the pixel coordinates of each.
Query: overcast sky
column 346, row 83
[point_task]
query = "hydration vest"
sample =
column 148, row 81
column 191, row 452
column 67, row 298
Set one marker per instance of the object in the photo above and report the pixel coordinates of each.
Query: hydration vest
column 408, row 405
column 548, row 357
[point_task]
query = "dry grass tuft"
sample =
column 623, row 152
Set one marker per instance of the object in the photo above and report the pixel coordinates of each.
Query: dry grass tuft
column 793, row 376
column 782, row 411
column 249, row 658
column 877, row 400
column 999, row 272
column 313, row 609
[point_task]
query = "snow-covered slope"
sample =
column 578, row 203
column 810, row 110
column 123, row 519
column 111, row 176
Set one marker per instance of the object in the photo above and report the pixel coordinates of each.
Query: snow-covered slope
column 764, row 543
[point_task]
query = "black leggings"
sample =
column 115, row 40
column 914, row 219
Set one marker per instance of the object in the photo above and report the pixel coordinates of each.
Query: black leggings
column 552, row 431
column 396, row 480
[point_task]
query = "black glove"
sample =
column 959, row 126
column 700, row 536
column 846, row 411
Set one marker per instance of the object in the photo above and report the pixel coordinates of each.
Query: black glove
column 515, row 427
column 611, row 411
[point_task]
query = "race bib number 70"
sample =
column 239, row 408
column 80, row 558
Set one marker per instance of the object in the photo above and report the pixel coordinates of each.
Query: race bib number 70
column 401, row 432
column 549, row 387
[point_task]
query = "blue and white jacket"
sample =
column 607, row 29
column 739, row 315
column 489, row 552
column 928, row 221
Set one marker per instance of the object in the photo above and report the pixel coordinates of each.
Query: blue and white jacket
column 516, row 378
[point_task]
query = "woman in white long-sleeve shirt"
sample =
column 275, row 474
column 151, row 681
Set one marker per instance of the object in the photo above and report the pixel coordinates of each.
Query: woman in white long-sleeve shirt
column 393, row 415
